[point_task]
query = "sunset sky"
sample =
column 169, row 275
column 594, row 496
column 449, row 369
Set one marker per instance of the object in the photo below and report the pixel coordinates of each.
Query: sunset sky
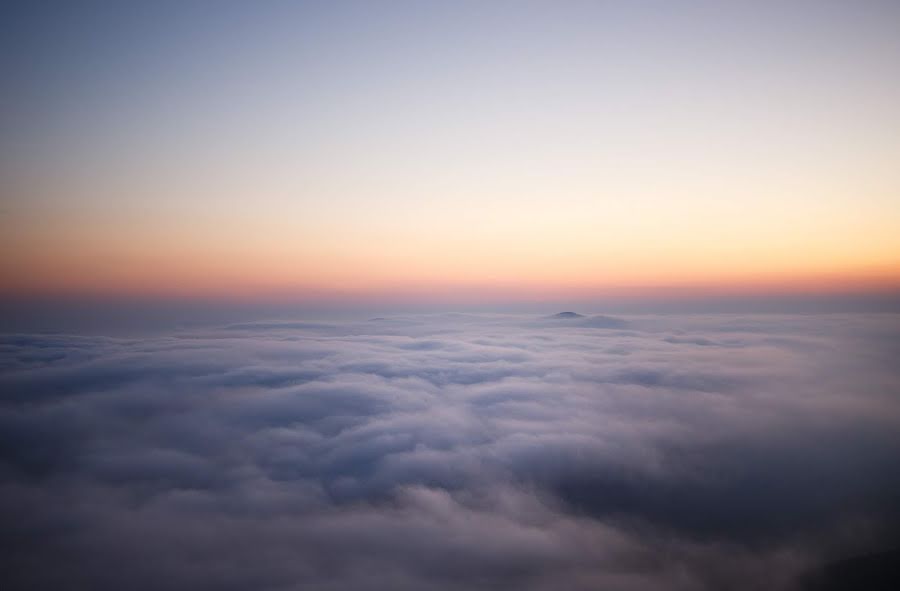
column 449, row 295
column 458, row 151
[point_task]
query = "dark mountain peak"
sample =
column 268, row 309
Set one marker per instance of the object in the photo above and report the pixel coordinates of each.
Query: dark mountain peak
column 564, row 315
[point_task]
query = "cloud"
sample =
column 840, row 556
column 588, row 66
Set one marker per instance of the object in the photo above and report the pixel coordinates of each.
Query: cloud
column 450, row 452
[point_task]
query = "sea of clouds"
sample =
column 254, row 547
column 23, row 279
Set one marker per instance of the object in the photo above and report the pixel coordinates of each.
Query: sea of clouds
column 676, row 452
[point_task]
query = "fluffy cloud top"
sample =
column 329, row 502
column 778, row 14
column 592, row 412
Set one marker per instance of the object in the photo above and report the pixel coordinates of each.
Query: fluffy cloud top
column 451, row 452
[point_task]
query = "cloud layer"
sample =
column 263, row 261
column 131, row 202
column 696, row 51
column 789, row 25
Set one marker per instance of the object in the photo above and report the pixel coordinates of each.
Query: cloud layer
column 451, row 452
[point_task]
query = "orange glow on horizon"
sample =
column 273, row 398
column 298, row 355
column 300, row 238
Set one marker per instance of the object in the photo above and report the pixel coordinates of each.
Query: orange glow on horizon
column 133, row 275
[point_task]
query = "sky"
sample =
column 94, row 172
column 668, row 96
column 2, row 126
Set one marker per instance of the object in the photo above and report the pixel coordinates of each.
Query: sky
column 449, row 154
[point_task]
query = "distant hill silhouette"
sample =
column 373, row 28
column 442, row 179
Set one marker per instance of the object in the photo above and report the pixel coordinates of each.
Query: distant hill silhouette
column 564, row 315
column 598, row 321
